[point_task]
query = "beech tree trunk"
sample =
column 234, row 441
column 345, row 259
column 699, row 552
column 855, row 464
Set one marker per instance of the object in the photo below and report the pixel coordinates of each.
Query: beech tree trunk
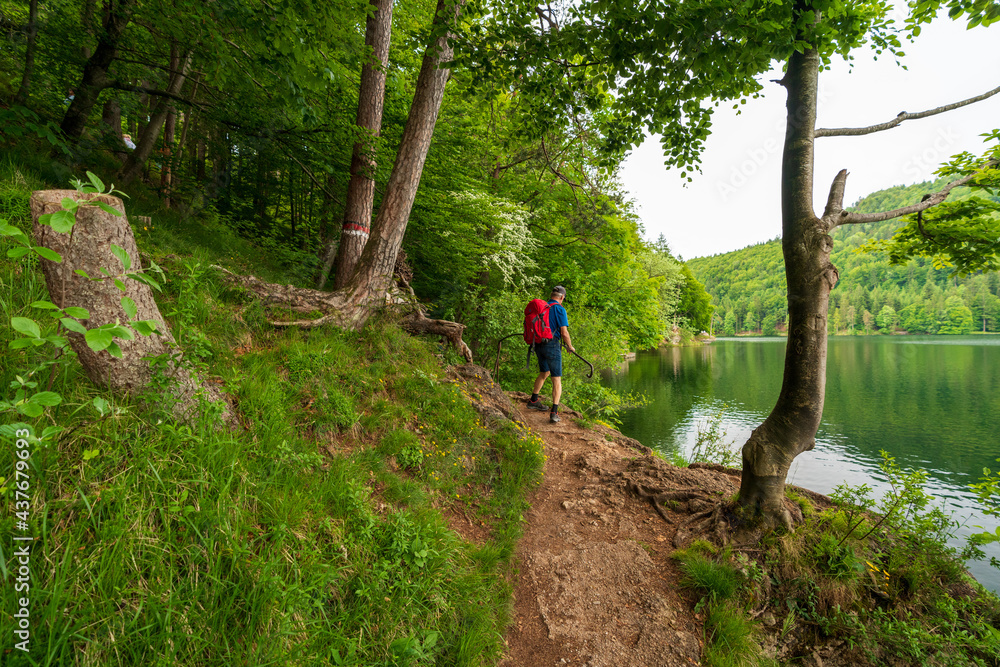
column 88, row 247
column 166, row 160
column 29, row 54
column 790, row 428
column 111, row 116
column 372, row 285
column 95, row 72
column 373, row 276
column 361, row 188
column 137, row 158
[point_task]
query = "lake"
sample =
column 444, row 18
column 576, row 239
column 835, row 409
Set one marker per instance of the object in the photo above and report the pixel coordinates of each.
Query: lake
column 933, row 402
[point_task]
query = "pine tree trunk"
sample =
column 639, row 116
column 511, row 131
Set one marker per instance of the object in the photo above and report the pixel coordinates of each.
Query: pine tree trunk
column 95, row 72
column 88, row 248
column 29, row 54
column 373, row 277
column 361, row 188
column 137, row 158
column 790, row 428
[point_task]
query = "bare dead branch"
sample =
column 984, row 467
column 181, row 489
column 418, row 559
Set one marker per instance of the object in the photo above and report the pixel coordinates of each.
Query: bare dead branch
column 835, row 202
column 933, row 199
column 903, row 115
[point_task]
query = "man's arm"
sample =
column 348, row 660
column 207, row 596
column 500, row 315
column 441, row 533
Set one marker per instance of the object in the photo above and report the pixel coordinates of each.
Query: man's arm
column 564, row 334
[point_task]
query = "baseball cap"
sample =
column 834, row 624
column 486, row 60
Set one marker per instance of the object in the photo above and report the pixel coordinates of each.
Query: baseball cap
column 559, row 289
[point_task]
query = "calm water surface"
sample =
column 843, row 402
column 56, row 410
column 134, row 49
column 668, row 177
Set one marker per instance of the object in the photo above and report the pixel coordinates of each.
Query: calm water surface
column 933, row 402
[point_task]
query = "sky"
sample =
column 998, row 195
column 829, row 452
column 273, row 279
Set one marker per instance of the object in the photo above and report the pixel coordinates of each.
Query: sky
column 734, row 202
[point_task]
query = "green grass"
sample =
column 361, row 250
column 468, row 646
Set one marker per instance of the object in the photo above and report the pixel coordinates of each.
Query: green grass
column 312, row 534
column 731, row 639
column 713, row 578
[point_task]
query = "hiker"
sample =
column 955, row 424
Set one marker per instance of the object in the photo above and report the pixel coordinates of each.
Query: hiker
column 550, row 355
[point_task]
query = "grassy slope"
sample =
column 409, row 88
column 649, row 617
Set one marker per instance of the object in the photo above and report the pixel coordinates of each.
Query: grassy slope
column 313, row 534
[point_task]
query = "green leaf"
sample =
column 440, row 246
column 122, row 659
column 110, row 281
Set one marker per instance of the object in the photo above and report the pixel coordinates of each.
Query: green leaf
column 115, row 351
column 47, row 398
column 129, row 307
column 44, row 305
column 98, row 339
column 30, row 409
column 17, row 253
column 58, row 341
column 120, row 253
column 122, row 332
column 50, row 431
column 109, row 209
column 10, row 230
column 48, row 253
column 74, row 326
column 145, row 327
column 119, row 284
column 61, row 221
column 70, row 204
column 81, row 272
column 98, row 183
column 146, row 280
column 25, row 326
column 22, row 343
column 100, row 405
column 78, row 312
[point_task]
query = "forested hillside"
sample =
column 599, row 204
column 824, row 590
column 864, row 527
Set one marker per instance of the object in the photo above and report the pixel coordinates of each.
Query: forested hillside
column 872, row 296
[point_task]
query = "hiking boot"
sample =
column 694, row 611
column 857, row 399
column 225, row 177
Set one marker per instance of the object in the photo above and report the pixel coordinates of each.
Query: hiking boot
column 537, row 405
column 554, row 418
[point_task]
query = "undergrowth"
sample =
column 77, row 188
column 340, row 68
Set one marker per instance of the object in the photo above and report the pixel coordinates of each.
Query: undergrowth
column 314, row 533
column 873, row 581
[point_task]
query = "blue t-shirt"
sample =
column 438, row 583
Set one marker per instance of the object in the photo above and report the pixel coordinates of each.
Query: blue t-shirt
column 557, row 318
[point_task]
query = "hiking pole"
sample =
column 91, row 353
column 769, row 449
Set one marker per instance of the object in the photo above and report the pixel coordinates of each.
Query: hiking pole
column 591, row 373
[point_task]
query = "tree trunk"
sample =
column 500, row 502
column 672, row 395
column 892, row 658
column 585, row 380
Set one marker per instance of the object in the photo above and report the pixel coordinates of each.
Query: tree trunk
column 111, row 119
column 137, row 158
column 111, row 116
column 790, row 428
column 372, row 285
column 373, row 276
column 95, row 72
column 167, row 156
column 87, row 247
column 29, row 54
column 361, row 188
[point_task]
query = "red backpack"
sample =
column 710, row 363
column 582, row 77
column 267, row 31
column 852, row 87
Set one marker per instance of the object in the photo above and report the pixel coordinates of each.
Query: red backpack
column 536, row 322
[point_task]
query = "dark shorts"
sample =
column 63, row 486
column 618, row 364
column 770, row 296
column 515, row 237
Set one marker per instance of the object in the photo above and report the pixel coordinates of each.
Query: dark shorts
column 549, row 357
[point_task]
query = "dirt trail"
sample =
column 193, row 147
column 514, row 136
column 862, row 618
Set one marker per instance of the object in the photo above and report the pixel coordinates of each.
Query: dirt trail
column 596, row 585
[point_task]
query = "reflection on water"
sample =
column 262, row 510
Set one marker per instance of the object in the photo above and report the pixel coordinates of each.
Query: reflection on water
column 931, row 402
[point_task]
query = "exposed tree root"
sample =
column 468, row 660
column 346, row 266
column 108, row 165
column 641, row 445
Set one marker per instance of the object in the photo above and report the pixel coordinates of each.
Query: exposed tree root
column 713, row 521
column 350, row 310
column 657, row 497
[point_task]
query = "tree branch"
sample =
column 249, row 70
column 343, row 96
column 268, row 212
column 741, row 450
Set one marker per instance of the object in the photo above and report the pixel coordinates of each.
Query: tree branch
column 835, row 202
column 118, row 85
column 903, row 115
column 848, row 218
